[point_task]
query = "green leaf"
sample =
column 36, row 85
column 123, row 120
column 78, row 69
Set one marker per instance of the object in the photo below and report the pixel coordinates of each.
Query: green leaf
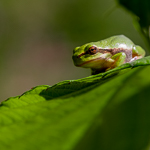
column 142, row 10
column 104, row 111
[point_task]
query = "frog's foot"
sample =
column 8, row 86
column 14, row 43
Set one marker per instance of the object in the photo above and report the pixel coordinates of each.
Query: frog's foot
column 137, row 52
column 133, row 59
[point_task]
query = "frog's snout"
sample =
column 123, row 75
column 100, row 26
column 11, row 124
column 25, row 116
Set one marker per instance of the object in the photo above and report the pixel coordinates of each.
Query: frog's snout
column 76, row 60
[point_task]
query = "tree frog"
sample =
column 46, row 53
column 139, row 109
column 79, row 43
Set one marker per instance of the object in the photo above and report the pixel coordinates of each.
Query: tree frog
column 107, row 54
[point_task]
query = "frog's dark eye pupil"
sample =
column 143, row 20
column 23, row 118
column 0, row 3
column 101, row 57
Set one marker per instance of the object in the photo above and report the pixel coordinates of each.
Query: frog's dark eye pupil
column 93, row 50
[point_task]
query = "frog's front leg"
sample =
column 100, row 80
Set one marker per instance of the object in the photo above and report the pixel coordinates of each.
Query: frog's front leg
column 119, row 59
column 116, row 60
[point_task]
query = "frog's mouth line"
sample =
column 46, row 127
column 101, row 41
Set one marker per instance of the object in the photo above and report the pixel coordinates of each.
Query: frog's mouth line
column 100, row 58
column 112, row 51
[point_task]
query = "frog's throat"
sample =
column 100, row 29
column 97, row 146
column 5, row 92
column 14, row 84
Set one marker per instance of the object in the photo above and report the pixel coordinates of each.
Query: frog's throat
column 113, row 51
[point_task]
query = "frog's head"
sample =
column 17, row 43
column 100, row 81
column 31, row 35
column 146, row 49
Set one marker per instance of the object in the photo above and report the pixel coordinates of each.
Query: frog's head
column 87, row 56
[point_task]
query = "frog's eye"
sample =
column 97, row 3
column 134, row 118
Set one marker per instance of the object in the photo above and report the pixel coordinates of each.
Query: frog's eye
column 92, row 50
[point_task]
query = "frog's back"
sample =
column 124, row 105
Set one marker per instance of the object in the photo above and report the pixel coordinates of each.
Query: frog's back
column 118, row 41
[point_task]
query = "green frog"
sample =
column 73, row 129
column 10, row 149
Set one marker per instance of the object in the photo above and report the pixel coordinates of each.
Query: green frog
column 107, row 54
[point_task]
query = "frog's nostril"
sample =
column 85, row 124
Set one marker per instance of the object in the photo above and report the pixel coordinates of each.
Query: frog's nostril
column 81, row 54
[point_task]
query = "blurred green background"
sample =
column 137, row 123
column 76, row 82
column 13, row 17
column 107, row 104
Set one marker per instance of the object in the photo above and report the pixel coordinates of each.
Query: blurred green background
column 37, row 38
